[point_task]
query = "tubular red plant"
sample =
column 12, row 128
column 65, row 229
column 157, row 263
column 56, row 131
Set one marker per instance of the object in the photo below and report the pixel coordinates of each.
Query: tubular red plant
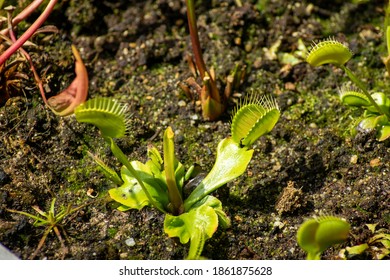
column 64, row 103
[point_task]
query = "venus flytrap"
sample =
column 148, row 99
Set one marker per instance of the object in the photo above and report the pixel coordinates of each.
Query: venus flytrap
column 111, row 119
column 159, row 182
column 377, row 245
column 376, row 106
column 318, row 234
column 51, row 221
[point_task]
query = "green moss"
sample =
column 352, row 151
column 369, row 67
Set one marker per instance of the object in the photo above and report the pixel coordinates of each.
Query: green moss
column 76, row 175
column 386, row 218
column 111, row 232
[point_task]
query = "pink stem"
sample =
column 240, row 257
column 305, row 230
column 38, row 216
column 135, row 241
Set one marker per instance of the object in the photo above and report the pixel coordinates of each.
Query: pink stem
column 29, row 32
column 23, row 15
column 36, row 76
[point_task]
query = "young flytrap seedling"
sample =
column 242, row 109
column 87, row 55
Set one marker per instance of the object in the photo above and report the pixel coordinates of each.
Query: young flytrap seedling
column 378, row 245
column 376, row 105
column 213, row 102
column 161, row 181
column 64, row 103
column 51, row 221
column 318, row 234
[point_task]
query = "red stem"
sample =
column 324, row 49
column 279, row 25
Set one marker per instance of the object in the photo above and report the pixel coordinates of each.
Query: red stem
column 195, row 38
column 29, row 32
column 27, row 56
column 212, row 87
column 23, row 14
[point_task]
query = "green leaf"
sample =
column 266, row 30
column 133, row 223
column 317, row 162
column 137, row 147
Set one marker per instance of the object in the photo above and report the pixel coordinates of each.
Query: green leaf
column 353, row 97
column 183, row 225
column 107, row 171
column 383, row 132
column 382, row 101
column 131, row 194
column 174, row 193
column 329, row 51
column 379, row 238
column 230, row 163
column 382, row 253
column 254, row 118
column 372, row 227
column 198, row 239
column 372, row 122
column 331, row 230
column 177, row 226
column 197, row 225
column 189, row 173
column 262, row 126
column 135, row 174
column 306, row 236
column 357, row 250
column 216, row 204
column 288, row 58
column 107, row 114
column 180, row 174
column 155, row 162
column 316, row 235
column 386, row 243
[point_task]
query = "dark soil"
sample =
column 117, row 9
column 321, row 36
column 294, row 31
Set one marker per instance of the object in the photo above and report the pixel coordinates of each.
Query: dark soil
column 135, row 51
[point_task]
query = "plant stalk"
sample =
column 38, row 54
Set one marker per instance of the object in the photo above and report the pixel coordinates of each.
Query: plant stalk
column 169, row 163
column 28, row 33
column 387, row 59
column 360, row 85
column 28, row 58
column 23, row 14
column 211, row 90
column 313, row 256
column 123, row 159
column 387, row 27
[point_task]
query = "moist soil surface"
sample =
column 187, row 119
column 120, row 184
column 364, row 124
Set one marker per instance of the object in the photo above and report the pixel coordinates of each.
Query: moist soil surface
column 312, row 163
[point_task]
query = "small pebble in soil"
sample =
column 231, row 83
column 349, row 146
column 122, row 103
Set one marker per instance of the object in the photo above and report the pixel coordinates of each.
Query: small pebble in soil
column 123, row 256
column 353, row 159
column 194, row 117
column 181, row 103
column 278, row 224
column 130, row 242
column 313, row 125
column 375, row 162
